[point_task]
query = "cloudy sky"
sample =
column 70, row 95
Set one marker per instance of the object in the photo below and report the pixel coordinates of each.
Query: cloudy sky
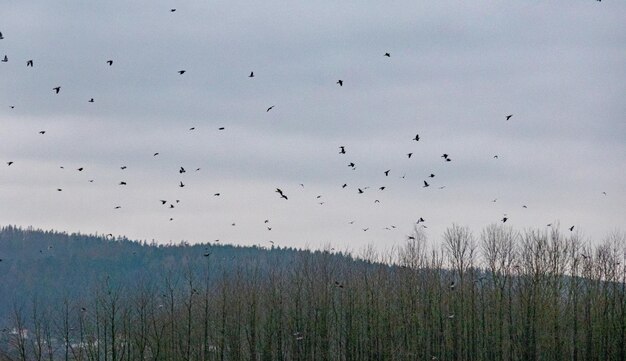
column 456, row 70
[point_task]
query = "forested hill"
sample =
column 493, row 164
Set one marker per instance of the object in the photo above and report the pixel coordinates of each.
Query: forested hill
column 50, row 265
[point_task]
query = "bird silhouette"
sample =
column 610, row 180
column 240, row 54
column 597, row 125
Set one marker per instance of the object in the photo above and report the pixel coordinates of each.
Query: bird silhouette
column 571, row 228
column 172, row 10
column 505, row 219
column 340, row 82
column 417, row 137
column 42, row 132
column 270, row 108
column 91, row 100
column 80, row 169
column 155, row 154
column 251, row 75
column 57, row 89
column 181, row 170
column 1, row 36
column 387, row 172
column 342, row 149
column 181, row 72
column 162, row 201
column 387, row 55
column 123, row 167
column 431, row 175
column 409, row 155
column 279, row 191
column 9, row 163
column 29, row 63
column 110, row 62
column 122, row 183
column 425, row 184
column 5, row 59
column 509, row 116
column 181, row 184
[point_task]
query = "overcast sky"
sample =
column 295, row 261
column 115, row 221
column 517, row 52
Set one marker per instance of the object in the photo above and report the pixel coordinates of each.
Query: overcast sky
column 455, row 70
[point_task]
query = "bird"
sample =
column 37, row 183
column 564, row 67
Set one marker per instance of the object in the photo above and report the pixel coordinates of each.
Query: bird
column 340, row 82
column 344, row 185
column 571, row 229
column 80, row 169
column 509, row 116
column 122, row 183
column 1, row 36
column 387, row 55
column 5, row 59
column 452, row 285
column 29, row 63
column 123, row 167
column 181, row 170
column 221, row 128
column 351, row 164
column 91, row 100
column 110, row 62
column 431, row 175
column 162, row 201
column 57, row 89
column 59, row 189
column 387, row 172
column 155, row 154
column 360, row 190
column 604, row 193
column 270, row 108
column 425, row 184
column 251, row 75
column 420, row 220
column 181, row 184
column 505, row 219
column 342, row 149
column 417, row 137
column 181, row 72
column 9, row 163
column 282, row 195
column 495, row 156
column 382, row 188
column 42, row 132
column 409, row 155
column 118, row 207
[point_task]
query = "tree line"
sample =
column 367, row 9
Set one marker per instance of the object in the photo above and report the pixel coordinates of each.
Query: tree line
column 501, row 294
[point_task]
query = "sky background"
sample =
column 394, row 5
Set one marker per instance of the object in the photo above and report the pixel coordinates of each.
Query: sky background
column 456, row 70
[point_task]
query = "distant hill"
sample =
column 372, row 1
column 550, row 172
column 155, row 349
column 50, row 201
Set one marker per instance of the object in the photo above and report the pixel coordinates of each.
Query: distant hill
column 50, row 265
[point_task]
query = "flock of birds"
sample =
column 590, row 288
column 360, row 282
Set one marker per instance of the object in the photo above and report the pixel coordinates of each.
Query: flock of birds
column 343, row 150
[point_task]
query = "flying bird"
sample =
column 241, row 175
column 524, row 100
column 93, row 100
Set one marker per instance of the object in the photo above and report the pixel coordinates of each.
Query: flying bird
column 57, row 89
column 251, row 75
column 9, row 163
column 110, row 62
column 342, row 149
column 387, row 172
column 282, row 195
column 340, row 82
column 181, row 170
column 1, row 36
column 181, row 72
column 123, row 167
column 270, row 108
column 571, row 228
column 425, row 184
column 42, row 132
column 417, row 137
column 172, row 10
column 509, row 116
column 91, row 100
column 29, row 63
column 122, row 183
column 505, row 219
column 409, row 155
column 387, row 55
column 181, row 184
column 5, row 59
column 162, row 201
